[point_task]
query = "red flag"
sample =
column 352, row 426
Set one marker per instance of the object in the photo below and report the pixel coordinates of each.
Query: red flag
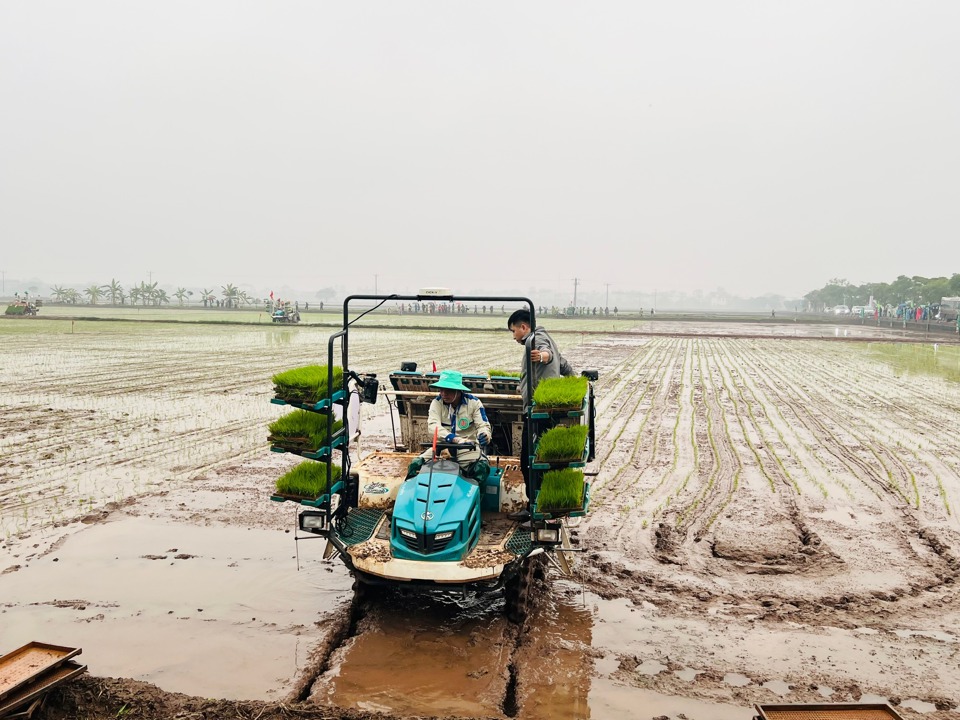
column 271, row 294
column 434, row 365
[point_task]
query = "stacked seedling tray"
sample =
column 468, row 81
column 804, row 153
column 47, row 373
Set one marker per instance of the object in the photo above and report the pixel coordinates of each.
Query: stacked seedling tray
column 306, row 387
column 562, row 492
column 561, row 447
column 310, row 431
column 306, row 483
column 304, row 432
column 560, row 399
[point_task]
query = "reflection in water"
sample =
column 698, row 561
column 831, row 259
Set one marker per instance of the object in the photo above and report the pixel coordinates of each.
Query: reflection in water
column 420, row 655
column 919, row 358
column 556, row 670
column 277, row 336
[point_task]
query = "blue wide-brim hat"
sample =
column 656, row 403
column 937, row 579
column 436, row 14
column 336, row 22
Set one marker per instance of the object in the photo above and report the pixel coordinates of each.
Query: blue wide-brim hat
column 450, row 380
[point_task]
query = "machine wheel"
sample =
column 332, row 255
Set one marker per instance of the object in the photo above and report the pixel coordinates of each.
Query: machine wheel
column 517, row 593
column 540, row 567
column 364, row 593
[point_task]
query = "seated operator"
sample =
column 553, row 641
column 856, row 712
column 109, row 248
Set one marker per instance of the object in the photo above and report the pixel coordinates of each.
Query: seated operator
column 457, row 417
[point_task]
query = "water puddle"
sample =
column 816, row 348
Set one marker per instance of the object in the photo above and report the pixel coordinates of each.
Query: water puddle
column 177, row 605
column 919, row 705
column 612, row 701
column 932, row 634
column 607, row 664
column 777, row 686
column 650, row 667
column 688, row 674
column 736, row 679
column 555, row 660
column 420, row 655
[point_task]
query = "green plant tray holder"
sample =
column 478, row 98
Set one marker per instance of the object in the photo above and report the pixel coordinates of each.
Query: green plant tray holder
column 580, row 462
column 545, row 413
column 313, row 407
column 323, row 453
column 317, row 502
column 553, row 513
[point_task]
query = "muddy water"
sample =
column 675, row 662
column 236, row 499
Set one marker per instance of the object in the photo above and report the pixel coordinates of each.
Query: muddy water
column 416, row 655
column 420, row 656
column 175, row 604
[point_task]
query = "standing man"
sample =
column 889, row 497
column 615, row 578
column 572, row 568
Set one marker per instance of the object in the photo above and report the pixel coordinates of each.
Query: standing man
column 546, row 357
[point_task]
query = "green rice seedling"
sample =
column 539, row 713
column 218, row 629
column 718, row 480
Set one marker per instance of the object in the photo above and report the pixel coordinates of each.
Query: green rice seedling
column 562, row 392
column 561, row 490
column 308, row 479
column 497, row 372
column 301, row 431
column 563, row 443
column 15, row 310
column 306, row 384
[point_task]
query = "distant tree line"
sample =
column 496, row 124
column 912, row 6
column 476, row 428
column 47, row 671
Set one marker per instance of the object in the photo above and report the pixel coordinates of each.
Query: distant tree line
column 916, row 290
column 145, row 294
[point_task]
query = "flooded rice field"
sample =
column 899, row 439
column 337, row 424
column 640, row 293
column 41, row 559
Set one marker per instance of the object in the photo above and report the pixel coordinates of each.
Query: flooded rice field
column 772, row 521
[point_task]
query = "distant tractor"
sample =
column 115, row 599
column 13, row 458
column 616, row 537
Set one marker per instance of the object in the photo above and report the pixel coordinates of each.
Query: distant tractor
column 23, row 308
column 285, row 312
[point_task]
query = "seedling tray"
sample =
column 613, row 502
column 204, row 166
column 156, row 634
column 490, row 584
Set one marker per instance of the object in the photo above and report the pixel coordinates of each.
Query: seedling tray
column 546, row 413
column 322, row 453
column 827, row 711
column 39, row 685
column 313, row 407
column 552, row 513
column 580, row 462
column 24, row 664
column 315, row 502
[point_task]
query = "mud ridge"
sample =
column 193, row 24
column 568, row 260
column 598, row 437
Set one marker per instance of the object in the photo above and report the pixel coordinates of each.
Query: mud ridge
column 343, row 626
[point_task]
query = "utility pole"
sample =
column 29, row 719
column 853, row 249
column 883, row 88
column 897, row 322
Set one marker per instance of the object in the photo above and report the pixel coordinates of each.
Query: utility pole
column 375, row 284
column 150, row 276
column 608, row 295
column 576, row 281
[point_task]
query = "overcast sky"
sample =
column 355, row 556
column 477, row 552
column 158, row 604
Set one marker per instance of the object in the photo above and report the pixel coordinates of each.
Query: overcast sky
column 757, row 146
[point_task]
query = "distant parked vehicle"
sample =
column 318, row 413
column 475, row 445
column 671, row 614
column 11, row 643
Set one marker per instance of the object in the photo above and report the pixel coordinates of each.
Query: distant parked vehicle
column 949, row 307
column 841, row 310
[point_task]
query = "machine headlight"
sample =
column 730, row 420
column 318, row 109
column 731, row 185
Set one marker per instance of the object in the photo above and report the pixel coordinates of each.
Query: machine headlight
column 548, row 535
column 443, row 535
column 408, row 533
column 312, row 520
